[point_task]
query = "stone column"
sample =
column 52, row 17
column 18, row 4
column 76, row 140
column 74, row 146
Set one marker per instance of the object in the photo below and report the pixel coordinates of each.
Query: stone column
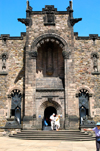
column 66, row 55
column 9, row 106
column 30, row 89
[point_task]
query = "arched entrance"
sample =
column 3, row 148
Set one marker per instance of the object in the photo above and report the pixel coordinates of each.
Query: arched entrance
column 48, row 112
column 83, row 104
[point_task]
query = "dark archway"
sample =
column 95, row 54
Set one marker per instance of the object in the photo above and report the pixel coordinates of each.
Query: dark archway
column 48, row 112
column 50, row 62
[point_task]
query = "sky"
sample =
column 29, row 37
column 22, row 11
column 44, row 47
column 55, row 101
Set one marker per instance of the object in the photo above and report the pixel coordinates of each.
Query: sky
column 88, row 10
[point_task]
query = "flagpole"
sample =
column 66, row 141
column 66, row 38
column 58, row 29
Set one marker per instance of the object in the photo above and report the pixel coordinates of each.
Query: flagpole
column 72, row 4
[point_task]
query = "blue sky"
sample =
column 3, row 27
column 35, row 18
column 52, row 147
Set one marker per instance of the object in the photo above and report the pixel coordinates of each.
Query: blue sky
column 88, row 10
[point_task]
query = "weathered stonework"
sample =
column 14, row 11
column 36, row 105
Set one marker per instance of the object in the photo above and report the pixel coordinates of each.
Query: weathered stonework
column 51, row 67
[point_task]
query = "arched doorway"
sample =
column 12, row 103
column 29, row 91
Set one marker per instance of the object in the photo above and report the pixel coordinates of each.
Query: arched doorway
column 48, row 112
column 83, row 104
column 50, row 62
column 16, row 104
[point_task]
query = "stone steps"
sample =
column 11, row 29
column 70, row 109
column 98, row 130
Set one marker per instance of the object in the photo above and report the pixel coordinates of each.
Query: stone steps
column 69, row 135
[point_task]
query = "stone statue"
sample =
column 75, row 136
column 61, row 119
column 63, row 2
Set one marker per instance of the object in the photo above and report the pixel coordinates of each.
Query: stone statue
column 4, row 62
column 95, row 64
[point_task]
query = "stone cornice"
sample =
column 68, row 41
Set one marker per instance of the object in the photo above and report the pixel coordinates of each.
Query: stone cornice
column 48, row 90
column 56, row 13
column 95, row 73
column 3, row 73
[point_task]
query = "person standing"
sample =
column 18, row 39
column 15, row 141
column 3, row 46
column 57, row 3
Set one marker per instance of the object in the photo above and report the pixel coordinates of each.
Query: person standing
column 97, row 133
column 57, row 122
column 52, row 118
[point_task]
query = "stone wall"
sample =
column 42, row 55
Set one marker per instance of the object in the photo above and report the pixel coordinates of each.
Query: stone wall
column 13, row 75
column 84, row 72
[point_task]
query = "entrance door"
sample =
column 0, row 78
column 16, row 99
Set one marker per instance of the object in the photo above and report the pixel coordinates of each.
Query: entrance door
column 47, row 113
column 82, row 114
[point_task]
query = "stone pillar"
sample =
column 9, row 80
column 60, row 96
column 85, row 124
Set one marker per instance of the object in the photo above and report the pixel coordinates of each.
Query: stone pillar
column 30, row 89
column 66, row 54
column 9, row 106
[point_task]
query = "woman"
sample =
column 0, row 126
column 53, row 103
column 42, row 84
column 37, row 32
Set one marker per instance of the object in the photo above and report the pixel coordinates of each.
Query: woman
column 57, row 122
column 97, row 133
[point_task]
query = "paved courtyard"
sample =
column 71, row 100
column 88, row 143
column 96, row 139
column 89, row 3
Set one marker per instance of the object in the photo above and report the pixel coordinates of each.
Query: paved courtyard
column 12, row 144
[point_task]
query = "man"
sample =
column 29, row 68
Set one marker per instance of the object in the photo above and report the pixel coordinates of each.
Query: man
column 52, row 118
column 97, row 133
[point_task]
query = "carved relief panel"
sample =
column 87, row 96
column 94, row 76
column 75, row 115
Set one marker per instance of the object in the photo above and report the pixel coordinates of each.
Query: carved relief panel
column 3, row 63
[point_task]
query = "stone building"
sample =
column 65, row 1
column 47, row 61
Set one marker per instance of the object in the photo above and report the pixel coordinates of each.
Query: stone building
column 49, row 69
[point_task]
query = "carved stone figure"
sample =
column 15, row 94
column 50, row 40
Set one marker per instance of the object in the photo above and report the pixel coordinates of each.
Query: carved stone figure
column 94, row 57
column 95, row 63
column 4, row 62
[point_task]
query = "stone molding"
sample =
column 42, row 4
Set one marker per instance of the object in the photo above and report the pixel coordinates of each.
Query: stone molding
column 86, row 88
column 13, row 88
column 66, row 54
column 48, row 35
column 54, row 103
column 33, row 54
column 4, row 53
column 49, row 90
column 3, row 73
column 94, row 53
column 56, row 13
column 95, row 73
column 53, row 40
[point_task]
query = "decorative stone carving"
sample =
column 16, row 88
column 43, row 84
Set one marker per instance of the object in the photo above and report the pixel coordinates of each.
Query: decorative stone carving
column 4, row 58
column 49, row 18
column 38, row 45
column 73, row 21
column 4, row 62
column 33, row 54
column 66, row 54
column 94, row 57
column 4, row 38
column 93, row 37
column 27, row 21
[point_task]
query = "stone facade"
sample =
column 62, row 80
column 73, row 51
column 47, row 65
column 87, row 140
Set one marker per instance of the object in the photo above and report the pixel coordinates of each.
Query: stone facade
column 49, row 67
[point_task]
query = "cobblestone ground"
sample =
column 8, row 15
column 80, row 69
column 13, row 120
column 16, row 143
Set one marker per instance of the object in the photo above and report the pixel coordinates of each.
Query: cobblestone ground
column 11, row 144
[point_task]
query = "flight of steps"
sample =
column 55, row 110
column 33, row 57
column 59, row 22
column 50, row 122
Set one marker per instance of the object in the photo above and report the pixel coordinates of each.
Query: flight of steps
column 69, row 135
